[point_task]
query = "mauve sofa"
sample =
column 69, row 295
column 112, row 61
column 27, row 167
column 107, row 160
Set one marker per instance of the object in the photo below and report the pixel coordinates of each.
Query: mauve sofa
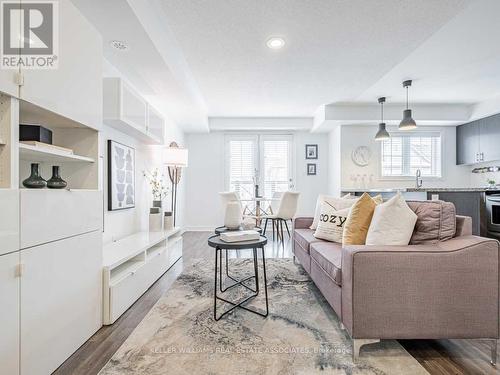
column 445, row 284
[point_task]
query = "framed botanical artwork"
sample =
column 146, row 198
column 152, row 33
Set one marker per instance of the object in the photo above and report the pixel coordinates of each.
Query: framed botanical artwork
column 311, row 151
column 121, row 176
column 311, row 169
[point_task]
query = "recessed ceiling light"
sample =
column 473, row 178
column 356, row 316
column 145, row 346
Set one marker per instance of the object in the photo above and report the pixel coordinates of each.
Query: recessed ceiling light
column 119, row 45
column 275, row 43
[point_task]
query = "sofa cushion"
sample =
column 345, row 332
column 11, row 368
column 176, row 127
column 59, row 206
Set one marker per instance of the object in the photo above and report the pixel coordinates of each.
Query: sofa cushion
column 436, row 221
column 359, row 219
column 328, row 255
column 337, row 203
column 331, row 223
column 304, row 237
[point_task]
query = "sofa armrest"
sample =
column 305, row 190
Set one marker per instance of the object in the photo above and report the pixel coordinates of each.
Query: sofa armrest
column 444, row 290
column 302, row 222
column 464, row 226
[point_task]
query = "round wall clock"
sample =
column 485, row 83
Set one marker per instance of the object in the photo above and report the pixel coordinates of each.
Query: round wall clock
column 361, row 156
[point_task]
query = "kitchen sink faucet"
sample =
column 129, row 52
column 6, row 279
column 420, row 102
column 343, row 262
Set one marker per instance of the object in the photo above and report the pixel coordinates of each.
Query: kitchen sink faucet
column 418, row 179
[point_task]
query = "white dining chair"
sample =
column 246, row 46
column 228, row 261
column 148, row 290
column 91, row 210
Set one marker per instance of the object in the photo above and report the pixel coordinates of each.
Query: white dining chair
column 286, row 211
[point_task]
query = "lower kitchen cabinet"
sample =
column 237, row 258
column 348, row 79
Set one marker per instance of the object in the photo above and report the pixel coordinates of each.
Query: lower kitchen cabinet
column 9, row 314
column 61, row 300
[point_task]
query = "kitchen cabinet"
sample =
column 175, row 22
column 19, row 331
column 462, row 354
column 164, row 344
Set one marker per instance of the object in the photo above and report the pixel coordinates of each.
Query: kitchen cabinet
column 9, row 314
column 468, row 143
column 61, row 300
column 8, row 84
column 9, row 221
column 74, row 88
column 477, row 141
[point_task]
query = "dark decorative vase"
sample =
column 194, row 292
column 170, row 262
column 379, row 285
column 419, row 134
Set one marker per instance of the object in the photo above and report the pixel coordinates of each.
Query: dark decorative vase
column 34, row 181
column 56, row 182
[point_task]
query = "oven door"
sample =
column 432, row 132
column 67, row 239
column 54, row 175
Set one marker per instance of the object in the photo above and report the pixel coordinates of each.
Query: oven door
column 493, row 210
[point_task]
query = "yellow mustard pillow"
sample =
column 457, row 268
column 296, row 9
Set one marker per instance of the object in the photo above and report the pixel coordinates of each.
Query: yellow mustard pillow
column 359, row 219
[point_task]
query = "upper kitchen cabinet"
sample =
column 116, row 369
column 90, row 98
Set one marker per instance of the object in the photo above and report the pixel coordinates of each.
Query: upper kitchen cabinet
column 468, row 143
column 489, row 138
column 478, row 141
column 73, row 89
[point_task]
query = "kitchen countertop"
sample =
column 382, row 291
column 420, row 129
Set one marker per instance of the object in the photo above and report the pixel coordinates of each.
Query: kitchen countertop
column 420, row 190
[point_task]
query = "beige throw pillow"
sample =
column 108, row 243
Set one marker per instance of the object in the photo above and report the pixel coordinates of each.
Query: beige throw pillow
column 331, row 223
column 337, row 203
column 360, row 217
column 392, row 223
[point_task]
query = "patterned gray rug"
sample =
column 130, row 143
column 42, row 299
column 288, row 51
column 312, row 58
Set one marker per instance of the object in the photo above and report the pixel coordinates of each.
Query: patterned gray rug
column 301, row 335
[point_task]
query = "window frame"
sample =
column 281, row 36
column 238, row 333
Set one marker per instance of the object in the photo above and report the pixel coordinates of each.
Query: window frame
column 416, row 133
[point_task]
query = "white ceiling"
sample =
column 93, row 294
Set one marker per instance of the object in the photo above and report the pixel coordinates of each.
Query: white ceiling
column 204, row 58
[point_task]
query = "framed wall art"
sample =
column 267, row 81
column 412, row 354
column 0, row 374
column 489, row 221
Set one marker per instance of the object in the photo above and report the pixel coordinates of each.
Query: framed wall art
column 311, row 151
column 121, row 176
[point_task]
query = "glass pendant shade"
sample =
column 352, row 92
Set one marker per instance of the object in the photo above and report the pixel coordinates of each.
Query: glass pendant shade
column 407, row 123
column 382, row 133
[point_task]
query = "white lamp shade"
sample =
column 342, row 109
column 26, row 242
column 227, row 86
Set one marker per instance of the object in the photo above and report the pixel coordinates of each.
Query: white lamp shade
column 175, row 156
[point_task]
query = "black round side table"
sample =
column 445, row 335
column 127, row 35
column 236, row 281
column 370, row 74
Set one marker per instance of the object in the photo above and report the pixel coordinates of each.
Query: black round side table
column 224, row 229
column 220, row 245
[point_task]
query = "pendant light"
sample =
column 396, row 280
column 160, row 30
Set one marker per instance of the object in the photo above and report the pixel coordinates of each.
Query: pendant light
column 382, row 133
column 407, row 123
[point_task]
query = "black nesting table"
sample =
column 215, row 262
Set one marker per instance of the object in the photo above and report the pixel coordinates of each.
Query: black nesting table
column 220, row 245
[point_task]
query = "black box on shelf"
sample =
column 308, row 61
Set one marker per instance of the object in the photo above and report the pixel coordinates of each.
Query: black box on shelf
column 38, row 133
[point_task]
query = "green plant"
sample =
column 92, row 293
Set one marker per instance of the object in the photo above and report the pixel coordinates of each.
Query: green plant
column 157, row 182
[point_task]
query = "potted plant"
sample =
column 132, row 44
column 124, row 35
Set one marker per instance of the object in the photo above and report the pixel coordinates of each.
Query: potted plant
column 158, row 186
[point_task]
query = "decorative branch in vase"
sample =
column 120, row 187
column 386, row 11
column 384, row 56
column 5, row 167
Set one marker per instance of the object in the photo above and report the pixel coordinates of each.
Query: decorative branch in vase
column 158, row 187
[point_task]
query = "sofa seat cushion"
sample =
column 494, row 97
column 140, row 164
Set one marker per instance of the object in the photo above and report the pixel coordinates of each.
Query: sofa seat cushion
column 328, row 255
column 304, row 237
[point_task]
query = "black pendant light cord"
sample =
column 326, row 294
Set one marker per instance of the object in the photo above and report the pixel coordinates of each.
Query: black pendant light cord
column 382, row 112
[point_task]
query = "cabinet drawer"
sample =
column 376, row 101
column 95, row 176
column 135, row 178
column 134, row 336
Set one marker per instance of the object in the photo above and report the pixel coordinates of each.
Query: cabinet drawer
column 49, row 215
column 174, row 251
column 9, row 220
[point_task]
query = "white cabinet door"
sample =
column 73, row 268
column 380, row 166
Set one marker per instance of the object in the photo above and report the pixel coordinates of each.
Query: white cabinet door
column 156, row 124
column 49, row 215
column 9, row 220
column 74, row 89
column 61, row 299
column 9, row 314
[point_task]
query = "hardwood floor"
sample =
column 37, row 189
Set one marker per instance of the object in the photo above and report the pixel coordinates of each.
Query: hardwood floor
column 438, row 357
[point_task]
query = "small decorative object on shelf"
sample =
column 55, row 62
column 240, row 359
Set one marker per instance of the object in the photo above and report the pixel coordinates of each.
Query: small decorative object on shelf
column 155, row 224
column 56, row 182
column 35, row 181
column 168, row 222
column 248, row 224
column 158, row 187
column 35, row 132
column 232, row 219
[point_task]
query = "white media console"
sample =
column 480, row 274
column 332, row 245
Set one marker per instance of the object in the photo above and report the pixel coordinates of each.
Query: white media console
column 132, row 265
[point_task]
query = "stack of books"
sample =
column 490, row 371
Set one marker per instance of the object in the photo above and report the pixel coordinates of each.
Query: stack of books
column 240, row 236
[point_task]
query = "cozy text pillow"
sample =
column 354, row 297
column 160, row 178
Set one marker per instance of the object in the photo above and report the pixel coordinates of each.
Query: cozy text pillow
column 359, row 219
column 392, row 223
column 331, row 223
column 337, row 203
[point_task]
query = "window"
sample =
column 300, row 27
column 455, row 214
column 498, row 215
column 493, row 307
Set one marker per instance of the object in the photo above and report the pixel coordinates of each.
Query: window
column 404, row 153
column 265, row 160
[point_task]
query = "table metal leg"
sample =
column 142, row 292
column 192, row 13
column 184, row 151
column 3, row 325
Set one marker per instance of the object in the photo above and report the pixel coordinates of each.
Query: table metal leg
column 265, row 281
column 215, row 285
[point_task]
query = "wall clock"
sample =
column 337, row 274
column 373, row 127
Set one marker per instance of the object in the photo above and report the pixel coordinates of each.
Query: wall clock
column 361, row 156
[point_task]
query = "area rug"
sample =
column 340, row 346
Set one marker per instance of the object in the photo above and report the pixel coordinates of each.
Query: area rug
column 301, row 335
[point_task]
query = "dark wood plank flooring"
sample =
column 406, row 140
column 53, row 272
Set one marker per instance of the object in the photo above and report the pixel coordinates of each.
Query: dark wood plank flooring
column 438, row 357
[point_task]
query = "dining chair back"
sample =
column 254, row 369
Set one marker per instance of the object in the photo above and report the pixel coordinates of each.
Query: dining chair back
column 288, row 205
column 275, row 201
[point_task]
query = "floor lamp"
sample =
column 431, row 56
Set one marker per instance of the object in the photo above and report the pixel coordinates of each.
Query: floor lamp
column 175, row 158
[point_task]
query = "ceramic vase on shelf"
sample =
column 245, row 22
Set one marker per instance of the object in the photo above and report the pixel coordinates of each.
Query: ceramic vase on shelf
column 56, row 182
column 34, row 181
column 232, row 218
column 168, row 222
column 155, row 224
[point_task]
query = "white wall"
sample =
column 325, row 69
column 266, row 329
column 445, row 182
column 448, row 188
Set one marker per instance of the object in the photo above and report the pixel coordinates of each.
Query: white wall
column 335, row 161
column 353, row 136
column 205, row 176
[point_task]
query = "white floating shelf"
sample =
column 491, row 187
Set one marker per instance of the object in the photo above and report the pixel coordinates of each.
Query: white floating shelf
column 33, row 153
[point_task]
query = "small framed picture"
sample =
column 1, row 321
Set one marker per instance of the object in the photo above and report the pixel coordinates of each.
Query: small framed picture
column 311, row 169
column 121, row 176
column 311, row 151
